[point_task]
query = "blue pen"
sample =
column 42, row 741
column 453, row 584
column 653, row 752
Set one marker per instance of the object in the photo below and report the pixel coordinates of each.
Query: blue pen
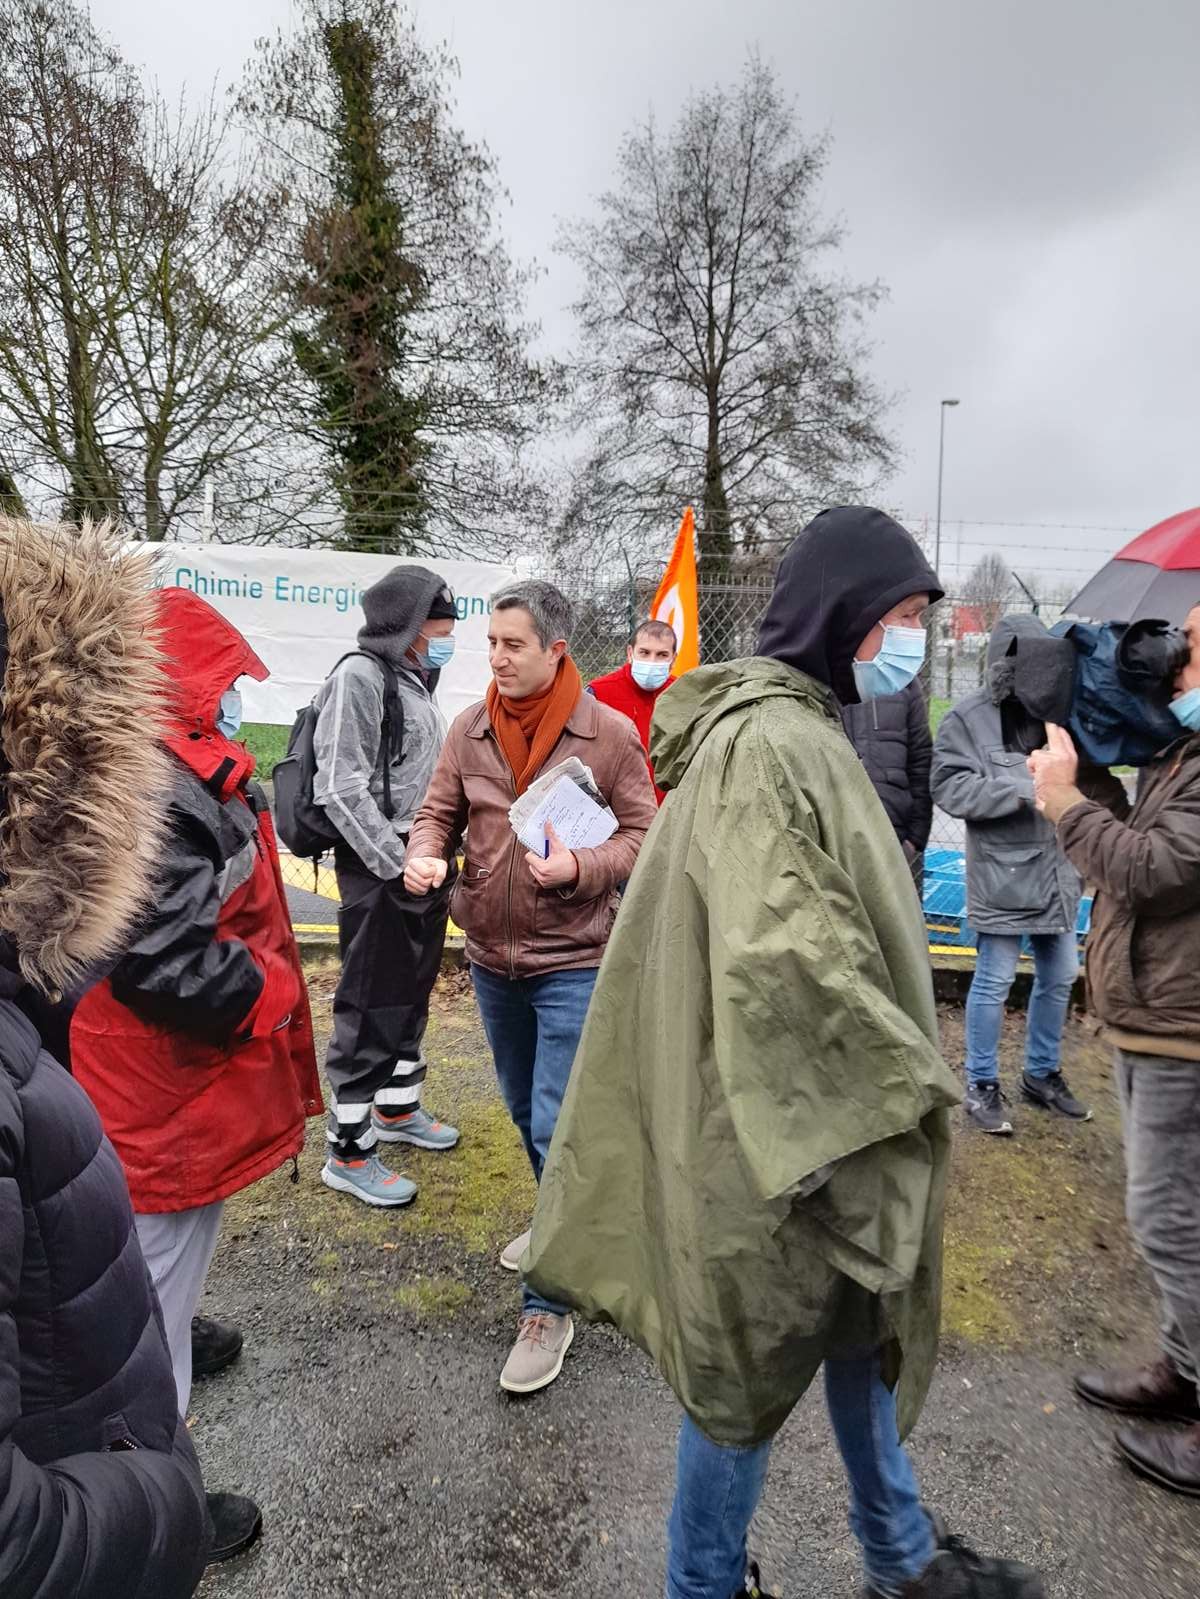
column 546, row 849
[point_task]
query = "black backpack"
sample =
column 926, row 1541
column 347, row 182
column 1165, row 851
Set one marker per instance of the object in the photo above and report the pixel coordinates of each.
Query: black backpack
column 300, row 822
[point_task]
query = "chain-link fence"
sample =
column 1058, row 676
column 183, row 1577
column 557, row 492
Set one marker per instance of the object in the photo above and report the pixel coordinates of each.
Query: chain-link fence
column 959, row 631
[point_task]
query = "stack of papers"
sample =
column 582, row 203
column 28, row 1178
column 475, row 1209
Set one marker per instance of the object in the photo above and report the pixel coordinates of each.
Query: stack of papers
column 567, row 798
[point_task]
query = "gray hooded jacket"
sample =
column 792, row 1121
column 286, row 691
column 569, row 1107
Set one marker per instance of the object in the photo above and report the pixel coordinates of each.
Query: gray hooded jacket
column 1018, row 879
column 348, row 739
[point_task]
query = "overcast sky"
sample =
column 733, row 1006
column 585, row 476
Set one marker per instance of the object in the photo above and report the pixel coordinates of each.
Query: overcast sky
column 1024, row 175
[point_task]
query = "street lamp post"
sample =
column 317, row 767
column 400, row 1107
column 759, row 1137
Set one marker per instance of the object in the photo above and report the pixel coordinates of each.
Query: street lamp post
column 937, row 546
column 935, row 659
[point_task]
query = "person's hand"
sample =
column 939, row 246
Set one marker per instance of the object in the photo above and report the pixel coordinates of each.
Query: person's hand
column 1056, row 766
column 424, row 873
column 559, row 869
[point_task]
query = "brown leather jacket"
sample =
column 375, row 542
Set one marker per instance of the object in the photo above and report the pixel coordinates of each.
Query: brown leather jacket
column 1143, row 952
column 513, row 927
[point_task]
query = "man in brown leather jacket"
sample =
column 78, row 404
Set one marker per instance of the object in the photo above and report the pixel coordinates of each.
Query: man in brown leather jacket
column 1143, row 968
column 536, row 924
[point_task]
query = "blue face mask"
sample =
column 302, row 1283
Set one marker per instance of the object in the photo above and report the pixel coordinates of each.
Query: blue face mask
column 1186, row 710
column 229, row 715
column 439, row 652
column 650, row 674
column 900, row 658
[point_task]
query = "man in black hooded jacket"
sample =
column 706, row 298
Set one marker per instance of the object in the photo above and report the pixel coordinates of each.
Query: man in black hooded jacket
column 100, row 1493
column 892, row 737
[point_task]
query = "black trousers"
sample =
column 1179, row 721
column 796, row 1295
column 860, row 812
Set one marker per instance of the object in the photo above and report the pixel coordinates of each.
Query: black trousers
column 391, row 945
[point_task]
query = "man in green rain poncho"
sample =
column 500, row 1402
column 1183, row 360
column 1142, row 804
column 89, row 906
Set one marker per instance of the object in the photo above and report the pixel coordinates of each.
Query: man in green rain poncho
column 749, row 1171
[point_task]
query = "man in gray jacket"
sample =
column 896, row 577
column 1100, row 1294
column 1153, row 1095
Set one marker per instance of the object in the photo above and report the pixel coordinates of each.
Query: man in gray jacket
column 1019, row 885
column 391, row 941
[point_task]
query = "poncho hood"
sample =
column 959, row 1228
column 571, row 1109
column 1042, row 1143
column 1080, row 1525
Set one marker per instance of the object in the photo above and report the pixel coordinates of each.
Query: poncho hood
column 685, row 717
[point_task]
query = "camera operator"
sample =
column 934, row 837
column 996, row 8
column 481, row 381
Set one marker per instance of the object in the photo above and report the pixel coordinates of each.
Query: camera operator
column 1144, row 980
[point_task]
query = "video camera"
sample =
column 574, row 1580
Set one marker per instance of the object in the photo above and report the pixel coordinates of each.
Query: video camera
column 1109, row 684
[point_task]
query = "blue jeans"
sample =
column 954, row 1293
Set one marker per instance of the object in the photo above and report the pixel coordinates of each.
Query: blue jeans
column 1055, row 968
column 717, row 1489
column 533, row 1026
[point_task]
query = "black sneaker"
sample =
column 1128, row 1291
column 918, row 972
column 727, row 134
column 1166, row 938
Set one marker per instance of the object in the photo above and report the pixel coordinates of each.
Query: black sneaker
column 236, row 1524
column 752, row 1590
column 214, row 1346
column 985, row 1106
column 957, row 1572
column 1052, row 1093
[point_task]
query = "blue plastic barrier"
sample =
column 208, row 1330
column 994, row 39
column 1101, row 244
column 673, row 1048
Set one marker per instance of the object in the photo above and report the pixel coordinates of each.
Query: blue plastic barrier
column 946, row 902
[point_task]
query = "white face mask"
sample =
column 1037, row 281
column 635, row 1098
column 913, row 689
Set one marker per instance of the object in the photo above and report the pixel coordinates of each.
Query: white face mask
column 650, row 674
column 900, row 658
column 229, row 714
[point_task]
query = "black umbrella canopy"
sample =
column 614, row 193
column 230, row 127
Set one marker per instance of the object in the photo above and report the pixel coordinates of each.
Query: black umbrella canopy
column 1135, row 591
column 1157, row 576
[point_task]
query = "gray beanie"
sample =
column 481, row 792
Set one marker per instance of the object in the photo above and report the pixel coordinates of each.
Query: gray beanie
column 396, row 606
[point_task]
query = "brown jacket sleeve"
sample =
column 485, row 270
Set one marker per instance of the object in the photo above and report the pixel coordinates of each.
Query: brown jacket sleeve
column 1157, row 870
column 630, row 795
column 439, row 825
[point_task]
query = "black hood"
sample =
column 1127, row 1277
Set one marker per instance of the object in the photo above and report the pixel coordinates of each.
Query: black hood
column 848, row 568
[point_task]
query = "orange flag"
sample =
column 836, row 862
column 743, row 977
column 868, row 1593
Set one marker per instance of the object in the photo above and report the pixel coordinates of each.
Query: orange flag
column 677, row 602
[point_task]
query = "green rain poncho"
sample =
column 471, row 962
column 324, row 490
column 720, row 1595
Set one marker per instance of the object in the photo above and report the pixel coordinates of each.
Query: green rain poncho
column 749, row 1169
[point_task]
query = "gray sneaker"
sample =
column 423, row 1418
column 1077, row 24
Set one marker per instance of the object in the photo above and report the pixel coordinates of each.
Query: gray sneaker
column 512, row 1254
column 538, row 1354
column 413, row 1127
column 986, row 1106
column 368, row 1179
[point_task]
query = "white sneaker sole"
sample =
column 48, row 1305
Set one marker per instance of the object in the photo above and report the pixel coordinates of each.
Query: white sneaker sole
column 342, row 1185
column 511, row 1387
column 511, row 1262
column 387, row 1136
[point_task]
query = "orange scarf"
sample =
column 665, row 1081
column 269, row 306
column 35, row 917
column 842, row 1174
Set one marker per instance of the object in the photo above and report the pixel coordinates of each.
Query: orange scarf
column 528, row 729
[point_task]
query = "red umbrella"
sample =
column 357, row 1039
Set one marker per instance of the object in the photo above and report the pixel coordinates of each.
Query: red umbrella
column 1157, row 576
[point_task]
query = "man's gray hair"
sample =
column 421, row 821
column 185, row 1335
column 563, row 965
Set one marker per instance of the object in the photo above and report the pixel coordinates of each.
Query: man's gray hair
column 550, row 609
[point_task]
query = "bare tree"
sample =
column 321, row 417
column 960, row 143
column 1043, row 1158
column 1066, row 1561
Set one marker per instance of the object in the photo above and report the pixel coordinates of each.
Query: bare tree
column 988, row 589
column 721, row 363
column 139, row 356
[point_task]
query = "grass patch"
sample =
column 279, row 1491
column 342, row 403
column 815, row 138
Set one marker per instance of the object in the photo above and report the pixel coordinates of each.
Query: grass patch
column 435, row 1298
column 473, row 1198
column 937, row 709
column 1037, row 1254
column 267, row 743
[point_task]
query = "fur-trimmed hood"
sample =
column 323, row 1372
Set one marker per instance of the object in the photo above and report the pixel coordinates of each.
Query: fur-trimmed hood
column 85, row 776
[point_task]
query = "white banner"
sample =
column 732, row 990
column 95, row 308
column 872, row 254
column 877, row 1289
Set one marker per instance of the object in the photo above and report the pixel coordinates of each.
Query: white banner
column 302, row 609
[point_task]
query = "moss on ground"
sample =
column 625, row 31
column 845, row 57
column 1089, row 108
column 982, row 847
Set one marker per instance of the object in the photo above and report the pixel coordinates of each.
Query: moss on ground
column 1037, row 1252
column 436, row 1298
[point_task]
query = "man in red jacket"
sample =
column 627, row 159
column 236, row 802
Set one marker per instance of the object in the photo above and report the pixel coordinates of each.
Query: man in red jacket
column 197, row 1049
column 634, row 688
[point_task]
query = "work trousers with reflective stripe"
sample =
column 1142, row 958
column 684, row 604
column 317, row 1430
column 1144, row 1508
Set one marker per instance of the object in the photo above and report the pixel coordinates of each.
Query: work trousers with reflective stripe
column 391, row 944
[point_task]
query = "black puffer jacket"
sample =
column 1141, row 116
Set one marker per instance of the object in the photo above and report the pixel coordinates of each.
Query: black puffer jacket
column 893, row 741
column 100, row 1493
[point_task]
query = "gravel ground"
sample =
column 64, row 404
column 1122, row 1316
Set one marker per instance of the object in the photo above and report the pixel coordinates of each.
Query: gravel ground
column 365, row 1415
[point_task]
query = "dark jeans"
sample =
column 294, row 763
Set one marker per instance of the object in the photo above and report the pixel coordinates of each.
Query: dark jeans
column 533, row 1026
column 391, row 944
column 1160, row 1110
